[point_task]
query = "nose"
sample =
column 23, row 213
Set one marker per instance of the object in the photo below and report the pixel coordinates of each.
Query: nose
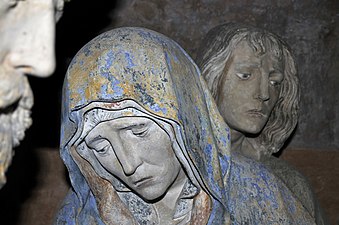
column 32, row 50
column 127, row 157
column 263, row 93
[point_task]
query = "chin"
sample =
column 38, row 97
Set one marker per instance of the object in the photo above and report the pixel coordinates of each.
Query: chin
column 254, row 127
column 254, row 131
column 151, row 194
column 251, row 130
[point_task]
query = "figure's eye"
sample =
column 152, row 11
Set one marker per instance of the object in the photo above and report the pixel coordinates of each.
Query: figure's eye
column 140, row 132
column 101, row 146
column 276, row 78
column 12, row 3
column 275, row 83
column 244, row 76
column 104, row 149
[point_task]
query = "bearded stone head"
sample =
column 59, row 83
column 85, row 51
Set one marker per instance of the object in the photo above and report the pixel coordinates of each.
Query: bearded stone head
column 27, row 34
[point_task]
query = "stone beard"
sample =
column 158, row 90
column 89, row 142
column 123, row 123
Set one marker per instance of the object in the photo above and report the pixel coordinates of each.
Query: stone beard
column 16, row 101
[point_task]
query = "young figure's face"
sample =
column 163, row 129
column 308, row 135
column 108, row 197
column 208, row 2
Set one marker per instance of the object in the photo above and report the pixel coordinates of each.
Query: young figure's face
column 249, row 89
column 137, row 151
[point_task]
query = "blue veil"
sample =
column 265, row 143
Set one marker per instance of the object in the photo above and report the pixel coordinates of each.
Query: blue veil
column 154, row 71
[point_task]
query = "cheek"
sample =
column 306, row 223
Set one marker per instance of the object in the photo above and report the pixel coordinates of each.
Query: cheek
column 231, row 100
column 159, row 154
column 175, row 165
column 171, row 167
column 159, row 145
column 233, row 92
column 165, row 158
column 111, row 164
column 274, row 95
column 224, row 90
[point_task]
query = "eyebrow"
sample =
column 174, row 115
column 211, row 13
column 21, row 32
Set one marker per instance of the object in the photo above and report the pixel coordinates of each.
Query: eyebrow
column 96, row 138
column 276, row 70
column 131, row 125
column 119, row 127
column 246, row 64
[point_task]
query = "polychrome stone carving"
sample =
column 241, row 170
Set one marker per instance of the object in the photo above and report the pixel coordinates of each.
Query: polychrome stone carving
column 26, row 48
column 253, row 78
column 253, row 71
column 144, row 143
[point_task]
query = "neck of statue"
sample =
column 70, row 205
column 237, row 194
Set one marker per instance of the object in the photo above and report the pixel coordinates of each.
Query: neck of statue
column 167, row 205
column 242, row 144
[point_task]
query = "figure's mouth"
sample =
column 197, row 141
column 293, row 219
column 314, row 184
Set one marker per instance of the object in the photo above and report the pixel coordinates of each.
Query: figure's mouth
column 16, row 117
column 9, row 109
column 143, row 181
column 256, row 113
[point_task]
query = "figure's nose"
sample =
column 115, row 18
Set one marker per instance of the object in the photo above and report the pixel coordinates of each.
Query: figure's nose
column 33, row 50
column 128, row 158
column 263, row 93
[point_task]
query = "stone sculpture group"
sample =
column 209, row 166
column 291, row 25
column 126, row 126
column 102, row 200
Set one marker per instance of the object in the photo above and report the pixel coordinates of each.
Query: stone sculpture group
column 144, row 142
column 149, row 137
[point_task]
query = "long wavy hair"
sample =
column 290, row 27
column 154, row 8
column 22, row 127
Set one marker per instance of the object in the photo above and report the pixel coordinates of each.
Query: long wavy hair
column 214, row 58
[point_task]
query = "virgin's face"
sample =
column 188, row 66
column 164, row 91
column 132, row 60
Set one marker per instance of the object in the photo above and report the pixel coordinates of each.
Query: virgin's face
column 249, row 89
column 138, row 152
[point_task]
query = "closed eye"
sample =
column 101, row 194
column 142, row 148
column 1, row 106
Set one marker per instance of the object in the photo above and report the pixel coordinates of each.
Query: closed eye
column 103, row 149
column 140, row 132
column 101, row 146
column 12, row 3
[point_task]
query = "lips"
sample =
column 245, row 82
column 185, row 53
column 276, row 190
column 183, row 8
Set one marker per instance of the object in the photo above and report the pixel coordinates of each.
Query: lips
column 14, row 88
column 256, row 113
column 9, row 94
column 142, row 182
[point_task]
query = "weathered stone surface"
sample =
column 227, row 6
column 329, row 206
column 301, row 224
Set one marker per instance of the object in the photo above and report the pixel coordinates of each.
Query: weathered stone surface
column 51, row 186
column 309, row 27
column 321, row 168
column 128, row 97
